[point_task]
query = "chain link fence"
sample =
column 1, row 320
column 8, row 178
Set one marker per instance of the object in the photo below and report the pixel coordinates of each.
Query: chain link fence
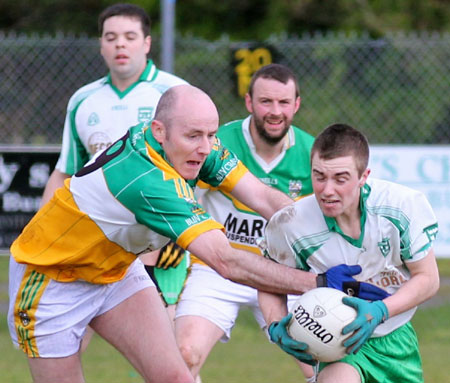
column 394, row 89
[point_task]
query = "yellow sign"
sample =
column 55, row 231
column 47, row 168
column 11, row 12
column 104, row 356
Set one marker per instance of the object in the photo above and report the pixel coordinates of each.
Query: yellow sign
column 248, row 61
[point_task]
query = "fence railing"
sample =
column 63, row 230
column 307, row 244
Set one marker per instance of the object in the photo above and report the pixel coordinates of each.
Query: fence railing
column 396, row 89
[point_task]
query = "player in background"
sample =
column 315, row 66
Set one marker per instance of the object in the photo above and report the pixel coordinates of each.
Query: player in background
column 278, row 154
column 101, row 112
column 75, row 263
column 386, row 228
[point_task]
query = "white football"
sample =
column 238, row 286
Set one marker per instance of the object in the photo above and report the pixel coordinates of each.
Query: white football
column 318, row 319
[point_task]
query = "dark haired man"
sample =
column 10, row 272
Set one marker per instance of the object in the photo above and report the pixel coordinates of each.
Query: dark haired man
column 387, row 229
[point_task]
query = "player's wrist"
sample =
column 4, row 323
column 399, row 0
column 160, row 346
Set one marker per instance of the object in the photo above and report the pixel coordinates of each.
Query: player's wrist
column 383, row 311
column 271, row 329
column 321, row 280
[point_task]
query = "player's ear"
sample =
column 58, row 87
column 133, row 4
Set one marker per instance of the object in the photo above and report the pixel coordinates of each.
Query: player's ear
column 363, row 178
column 298, row 101
column 248, row 103
column 158, row 131
column 148, row 43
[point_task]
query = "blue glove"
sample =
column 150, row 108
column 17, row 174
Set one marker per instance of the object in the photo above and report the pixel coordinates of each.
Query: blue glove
column 279, row 335
column 370, row 315
column 341, row 278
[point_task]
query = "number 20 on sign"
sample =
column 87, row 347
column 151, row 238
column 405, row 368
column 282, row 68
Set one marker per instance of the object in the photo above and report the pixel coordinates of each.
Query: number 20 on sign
column 249, row 61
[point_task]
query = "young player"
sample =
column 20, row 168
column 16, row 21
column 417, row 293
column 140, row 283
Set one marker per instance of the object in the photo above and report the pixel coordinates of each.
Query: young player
column 386, row 228
column 101, row 112
column 278, row 154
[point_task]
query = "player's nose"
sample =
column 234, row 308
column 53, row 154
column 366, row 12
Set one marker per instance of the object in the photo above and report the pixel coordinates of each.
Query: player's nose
column 328, row 188
column 275, row 109
column 204, row 146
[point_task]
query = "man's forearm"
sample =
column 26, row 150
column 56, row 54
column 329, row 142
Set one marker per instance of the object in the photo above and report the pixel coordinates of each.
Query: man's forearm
column 55, row 181
column 260, row 197
column 273, row 306
column 213, row 248
column 266, row 275
column 424, row 283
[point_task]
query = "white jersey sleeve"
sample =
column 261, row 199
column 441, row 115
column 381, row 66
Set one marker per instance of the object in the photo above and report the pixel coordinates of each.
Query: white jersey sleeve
column 287, row 225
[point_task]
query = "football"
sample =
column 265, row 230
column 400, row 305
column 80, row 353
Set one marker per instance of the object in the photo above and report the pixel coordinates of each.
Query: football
column 318, row 319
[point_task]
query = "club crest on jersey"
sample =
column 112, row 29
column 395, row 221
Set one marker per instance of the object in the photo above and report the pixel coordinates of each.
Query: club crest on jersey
column 24, row 318
column 295, row 188
column 93, row 119
column 431, row 232
column 225, row 153
column 384, row 246
column 196, row 208
column 145, row 114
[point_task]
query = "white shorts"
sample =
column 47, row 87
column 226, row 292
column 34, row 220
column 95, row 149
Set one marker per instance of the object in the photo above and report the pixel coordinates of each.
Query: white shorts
column 208, row 295
column 48, row 319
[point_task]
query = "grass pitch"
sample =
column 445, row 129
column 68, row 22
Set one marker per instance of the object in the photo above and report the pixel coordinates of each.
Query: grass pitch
column 247, row 358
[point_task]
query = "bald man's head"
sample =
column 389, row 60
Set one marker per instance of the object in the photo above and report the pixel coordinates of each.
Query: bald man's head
column 183, row 101
column 185, row 124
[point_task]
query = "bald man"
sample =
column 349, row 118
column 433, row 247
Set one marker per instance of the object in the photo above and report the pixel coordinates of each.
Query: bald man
column 75, row 263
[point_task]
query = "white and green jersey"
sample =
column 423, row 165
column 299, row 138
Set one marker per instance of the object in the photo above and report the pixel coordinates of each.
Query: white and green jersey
column 126, row 200
column 289, row 172
column 398, row 226
column 98, row 114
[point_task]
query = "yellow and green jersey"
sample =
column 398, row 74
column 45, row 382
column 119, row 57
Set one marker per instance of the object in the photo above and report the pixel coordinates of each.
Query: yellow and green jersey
column 126, row 200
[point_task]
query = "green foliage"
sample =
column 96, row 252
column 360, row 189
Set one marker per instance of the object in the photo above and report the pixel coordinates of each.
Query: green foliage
column 239, row 19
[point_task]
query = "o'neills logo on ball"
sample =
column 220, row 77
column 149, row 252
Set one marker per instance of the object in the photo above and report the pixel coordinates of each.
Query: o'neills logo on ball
column 304, row 319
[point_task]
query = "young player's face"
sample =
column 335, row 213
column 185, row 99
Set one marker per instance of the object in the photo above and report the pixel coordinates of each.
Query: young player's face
column 124, row 47
column 336, row 185
column 190, row 138
column 273, row 106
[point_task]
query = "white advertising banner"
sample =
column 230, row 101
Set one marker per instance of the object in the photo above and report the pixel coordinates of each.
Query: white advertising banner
column 424, row 168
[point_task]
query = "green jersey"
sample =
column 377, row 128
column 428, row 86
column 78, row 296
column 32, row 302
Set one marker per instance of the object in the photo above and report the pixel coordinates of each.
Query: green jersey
column 289, row 172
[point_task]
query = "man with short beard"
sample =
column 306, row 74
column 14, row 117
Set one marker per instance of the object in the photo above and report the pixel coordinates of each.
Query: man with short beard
column 278, row 154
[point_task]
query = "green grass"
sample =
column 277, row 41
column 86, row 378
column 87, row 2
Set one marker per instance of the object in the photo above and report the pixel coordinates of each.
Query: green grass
column 248, row 357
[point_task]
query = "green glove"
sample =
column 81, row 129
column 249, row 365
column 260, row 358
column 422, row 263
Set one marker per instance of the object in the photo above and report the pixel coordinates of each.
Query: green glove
column 279, row 335
column 370, row 315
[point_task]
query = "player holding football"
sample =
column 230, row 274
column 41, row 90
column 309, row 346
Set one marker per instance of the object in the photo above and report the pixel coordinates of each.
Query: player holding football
column 75, row 262
column 387, row 229
column 278, row 154
column 101, row 112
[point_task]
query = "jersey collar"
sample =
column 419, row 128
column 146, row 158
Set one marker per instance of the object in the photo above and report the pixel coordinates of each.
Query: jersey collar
column 149, row 74
column 333, row 225
column 289, row 141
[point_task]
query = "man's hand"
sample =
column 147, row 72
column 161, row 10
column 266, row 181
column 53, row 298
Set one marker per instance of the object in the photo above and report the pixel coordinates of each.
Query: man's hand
column 341, row 278
column 279, row 335
column 370, row 315
column 170, row 255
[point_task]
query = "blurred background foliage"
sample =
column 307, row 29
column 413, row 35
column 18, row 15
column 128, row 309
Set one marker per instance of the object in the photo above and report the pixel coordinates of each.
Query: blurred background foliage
column 238, row 19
